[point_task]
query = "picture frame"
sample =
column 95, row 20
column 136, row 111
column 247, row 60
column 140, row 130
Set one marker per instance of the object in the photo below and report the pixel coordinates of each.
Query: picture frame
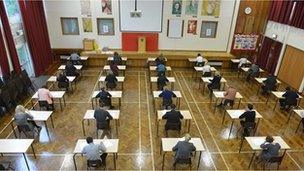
column 208, row 29
column 69, row 25
column 105, row 26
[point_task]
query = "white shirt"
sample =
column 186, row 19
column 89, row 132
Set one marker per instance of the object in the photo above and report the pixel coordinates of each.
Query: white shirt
column 242, row 61
column 199, row 59
column 206, row 68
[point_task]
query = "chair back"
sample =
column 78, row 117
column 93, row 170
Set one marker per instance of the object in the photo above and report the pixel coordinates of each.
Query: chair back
column 277, row 159
column 94, row 163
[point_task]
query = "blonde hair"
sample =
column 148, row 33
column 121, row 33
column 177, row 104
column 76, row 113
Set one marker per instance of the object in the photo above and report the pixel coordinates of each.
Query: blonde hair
column 187, row 137
column 20, row 109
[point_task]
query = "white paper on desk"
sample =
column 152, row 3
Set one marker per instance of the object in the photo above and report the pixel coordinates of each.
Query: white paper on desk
column 107, row 144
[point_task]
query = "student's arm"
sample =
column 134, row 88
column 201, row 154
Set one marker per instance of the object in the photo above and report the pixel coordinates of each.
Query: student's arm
column 165, row 116
column 98, row 95
column 242, row 116
column 109, row 116
column 108, row 94
column 173, row 94
column 264, row 146
column 180, row 115
column 49, row 94
column 29, row 116
column 175, row 147
column 102, row 147
column 193, row 148
column 161, row 94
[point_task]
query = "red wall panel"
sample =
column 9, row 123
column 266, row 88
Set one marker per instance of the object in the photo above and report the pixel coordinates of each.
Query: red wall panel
column 130, row 41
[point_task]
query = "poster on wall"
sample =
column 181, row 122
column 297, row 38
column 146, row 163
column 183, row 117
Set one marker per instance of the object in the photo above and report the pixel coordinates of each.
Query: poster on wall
column 85, row 6
column 245, row 42
column 208, row 29
column 87, row 25
column 105, row 26
column 192, row 25
column 191, row 7
column 69, row 26
column 175, row 28
column 177, row 7
column 106, row 6
column 211, row 8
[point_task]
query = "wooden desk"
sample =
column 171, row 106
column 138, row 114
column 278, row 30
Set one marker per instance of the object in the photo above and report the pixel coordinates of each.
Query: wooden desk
column 193, row 60
column 245, row 69
column 115, row 94
column 260, row 82
column 300, row 113
column 157, row 93
column 154, row 80
column 153, row 69
column 255, row 143
column 200, row 69
column 279, row 95
column 62, row 67
column 119, row 80
column 70, row 78
column 168, row 143
column 220, row 95
column 89, row 115
column 55, row 95
column 15, row 146
column 186, row 114
column 206, row 80
column 41, row 116
column 235, row 114
column 110, row 144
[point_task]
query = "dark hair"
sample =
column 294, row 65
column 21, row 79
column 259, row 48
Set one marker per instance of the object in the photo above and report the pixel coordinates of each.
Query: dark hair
column 115, row 53
column 173, row 106
column 44, row 86
column 287, row 88
column 89, row 140
column 250, row 106
column 198, row 54
column 269, row 139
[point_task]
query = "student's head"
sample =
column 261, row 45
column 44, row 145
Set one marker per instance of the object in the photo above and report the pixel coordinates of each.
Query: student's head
column 250, row 106
column 217, row 73
column 173, row 106
column 20, row 109
column 89, row 140
column 109, row 72
column 198, row 54
column 187, row 137
column 287, row 88
column 115, row 54
column 165, row 88
column 269, row 139
column 102, row 88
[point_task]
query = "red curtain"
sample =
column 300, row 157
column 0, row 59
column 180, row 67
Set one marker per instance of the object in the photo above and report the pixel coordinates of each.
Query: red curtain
column 298, row 15
column 280, row 11
column 9, row 38
column 3, row 57
column 269, row 55
column 37, row 34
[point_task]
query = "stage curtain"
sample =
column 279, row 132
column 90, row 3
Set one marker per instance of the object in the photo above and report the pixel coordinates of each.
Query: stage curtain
column 37, row 34
column 264, row 52
column 280, row 11
column 9, row 39
column 298, row 15
column 3, row 57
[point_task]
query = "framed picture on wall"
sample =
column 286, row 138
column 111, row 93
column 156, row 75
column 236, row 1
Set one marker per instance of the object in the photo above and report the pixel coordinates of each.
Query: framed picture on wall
column 208, row 29
column 105, row 26
column 69, row 26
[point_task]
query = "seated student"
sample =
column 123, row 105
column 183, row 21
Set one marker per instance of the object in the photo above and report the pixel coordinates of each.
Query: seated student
column 183, row 150
column 200, row 61
column 229, row 97
column 161, row 69
column 247, row 118
column 104, row 98
column 270, row 149
column 114, row 68
column 243, row 61
column 117, row 59
column 63, row 81
column 24, row 118
column 290, row 99
column 75, row 59
column 160, row 60
column 215, row 83
column 161, row 81
column 173, row 118
column 206, row 70
column 45, row 98
column 111, row 81
column 253, row 71
column 167, row 95
column 269, row 84
column 103, row 118
column 95, row 153
column 70, row 70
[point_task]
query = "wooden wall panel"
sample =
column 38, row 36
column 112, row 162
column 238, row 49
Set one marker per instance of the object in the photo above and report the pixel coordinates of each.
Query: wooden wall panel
column 292, row 67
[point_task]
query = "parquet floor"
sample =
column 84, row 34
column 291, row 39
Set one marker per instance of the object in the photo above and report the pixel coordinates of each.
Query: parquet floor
column 138, row 144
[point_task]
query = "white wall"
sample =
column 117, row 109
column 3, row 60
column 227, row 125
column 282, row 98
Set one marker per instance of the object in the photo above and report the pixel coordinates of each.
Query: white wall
column 71, row 8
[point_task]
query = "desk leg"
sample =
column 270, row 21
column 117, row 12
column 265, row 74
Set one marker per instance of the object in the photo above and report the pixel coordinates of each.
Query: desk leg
column 114, row 159
column 267, row 99
column 242, row 142
column 119, row 101
column 32, row 147
column 92, row 104
column 178, row 100
column 74, row 160
column 275, row 105
column 258, row 89
column 47, row 130
column 195, row 76
column 116, row 123
column 24, row 156
column 290, row 113
column 298, row 126
column 204, row 86
column 157, row 125
column 223, row 117
column 12, row 125
column 60, row 104
column 215, row 105
column 163, row 160
column 151, row 86
column 52, row 122
column 251, row 160
column 231, row 128
column 199, row 159
column 239, row 103
column 189, row 125
column 83, row 130
column 122, row 86
column 256, row 127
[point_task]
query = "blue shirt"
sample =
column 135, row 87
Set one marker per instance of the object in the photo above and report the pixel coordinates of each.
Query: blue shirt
column 161, row 68
column 167, row 94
